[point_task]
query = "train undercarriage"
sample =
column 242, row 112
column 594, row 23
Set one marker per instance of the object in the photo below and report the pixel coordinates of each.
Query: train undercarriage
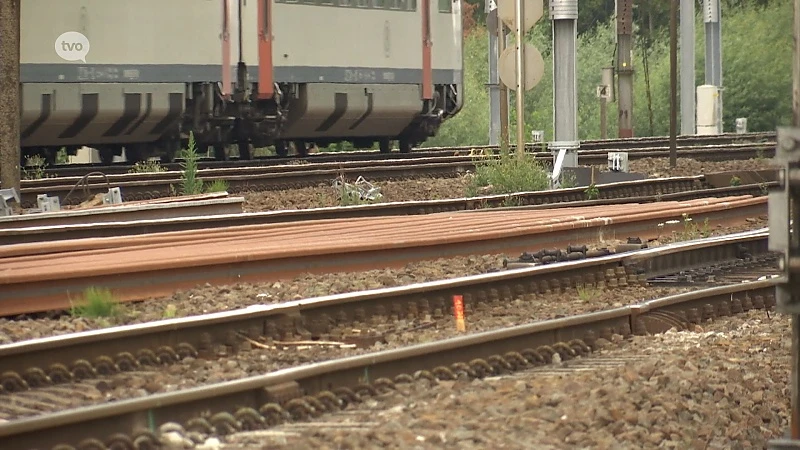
column 297, row 116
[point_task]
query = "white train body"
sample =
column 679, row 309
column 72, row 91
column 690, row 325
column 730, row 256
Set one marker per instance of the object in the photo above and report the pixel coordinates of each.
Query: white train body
column 318, row 71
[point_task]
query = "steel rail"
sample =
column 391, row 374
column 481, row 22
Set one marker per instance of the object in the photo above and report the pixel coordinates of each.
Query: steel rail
column 372, row 155
column 35, row 278
column 86, row 354
column 150, row 185
column 98, row 216
column 639, row 191
column 313, row 389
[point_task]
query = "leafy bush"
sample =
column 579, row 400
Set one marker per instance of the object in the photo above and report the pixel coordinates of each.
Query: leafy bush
column 147, row 166
column 756, row 64
column 192, row 185
column 508, row 174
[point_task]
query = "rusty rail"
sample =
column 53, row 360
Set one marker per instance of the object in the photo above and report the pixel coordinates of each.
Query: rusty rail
column 313, row 389
column 639, row 191
column 43, row 277
column 96, row 216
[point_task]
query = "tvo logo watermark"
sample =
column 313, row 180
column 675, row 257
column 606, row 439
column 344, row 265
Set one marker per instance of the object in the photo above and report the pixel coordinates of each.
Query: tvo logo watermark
column 72, row 46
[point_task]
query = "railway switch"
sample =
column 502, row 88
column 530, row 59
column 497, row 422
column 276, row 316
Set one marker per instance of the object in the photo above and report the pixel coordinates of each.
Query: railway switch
column 6, row 196
column 48, row 204
column 112, row 197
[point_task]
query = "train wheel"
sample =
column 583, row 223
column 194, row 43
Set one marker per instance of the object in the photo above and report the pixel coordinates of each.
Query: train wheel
column 49, row 156
column 406, row 146
column 219, row 152
column 281, row 149
column 169, row 150
column 301, row 148
column 244, row 150
column 385, row 145
column 133, row 153
column 106, row 155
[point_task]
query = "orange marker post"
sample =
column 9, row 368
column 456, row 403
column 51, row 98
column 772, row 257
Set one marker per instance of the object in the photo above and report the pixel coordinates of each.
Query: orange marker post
column 458, row 311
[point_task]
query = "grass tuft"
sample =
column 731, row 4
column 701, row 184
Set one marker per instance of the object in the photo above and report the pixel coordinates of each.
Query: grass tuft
column 170, row 312
column 96, row 303
column 585, row 294
column 217, row 186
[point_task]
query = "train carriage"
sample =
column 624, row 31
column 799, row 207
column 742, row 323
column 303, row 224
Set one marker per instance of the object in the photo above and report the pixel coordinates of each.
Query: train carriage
column 249, row 72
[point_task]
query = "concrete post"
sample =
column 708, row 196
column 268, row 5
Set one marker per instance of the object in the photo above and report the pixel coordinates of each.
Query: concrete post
column 9, row 94
column 712, row 17
column 504, row 102
column 520, row 90
column 673, row 83
column 687, row 41
column 564, row 14
column 494, row 77
column 625, row 66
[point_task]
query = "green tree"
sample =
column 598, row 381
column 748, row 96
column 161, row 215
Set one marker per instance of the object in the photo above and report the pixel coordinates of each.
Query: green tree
column 756, row 63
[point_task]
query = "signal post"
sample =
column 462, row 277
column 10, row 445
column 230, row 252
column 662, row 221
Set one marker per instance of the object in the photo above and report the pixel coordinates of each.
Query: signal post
column 625, row 66
column 564, row 15
column 521, row 67
column 496, row 35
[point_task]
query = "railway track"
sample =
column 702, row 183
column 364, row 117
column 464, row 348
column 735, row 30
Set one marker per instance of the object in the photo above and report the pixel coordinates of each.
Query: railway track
column 305, row 391
column 41, row 229
column 41, row 277
column 66, row 170
column 142, row 186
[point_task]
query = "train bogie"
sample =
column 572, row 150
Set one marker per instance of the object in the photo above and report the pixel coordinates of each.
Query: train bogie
column 303, row 72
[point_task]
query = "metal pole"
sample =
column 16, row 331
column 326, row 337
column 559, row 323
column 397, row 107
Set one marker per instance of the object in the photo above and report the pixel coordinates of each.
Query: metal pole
column 603, row 120
column 494, row 77
column 687, row 41
column 9, row 95
column 625, row 66
column 795, row 376
column 796, row 67
column 713, row 28
column 607, row 78
column 501, row 46
column 564, row 14
column 673, row 82
column 784, row 208
column 520, row 93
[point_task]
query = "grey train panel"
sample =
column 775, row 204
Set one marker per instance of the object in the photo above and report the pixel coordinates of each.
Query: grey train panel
column 339, row 110
column 180, row 73
column 98, row 113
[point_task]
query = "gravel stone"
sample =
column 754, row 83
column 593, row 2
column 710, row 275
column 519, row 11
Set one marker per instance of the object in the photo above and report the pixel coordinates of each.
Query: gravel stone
column 723, row 385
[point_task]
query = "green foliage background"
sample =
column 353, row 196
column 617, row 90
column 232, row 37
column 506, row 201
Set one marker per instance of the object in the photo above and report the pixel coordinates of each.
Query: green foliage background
column 756, row 52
